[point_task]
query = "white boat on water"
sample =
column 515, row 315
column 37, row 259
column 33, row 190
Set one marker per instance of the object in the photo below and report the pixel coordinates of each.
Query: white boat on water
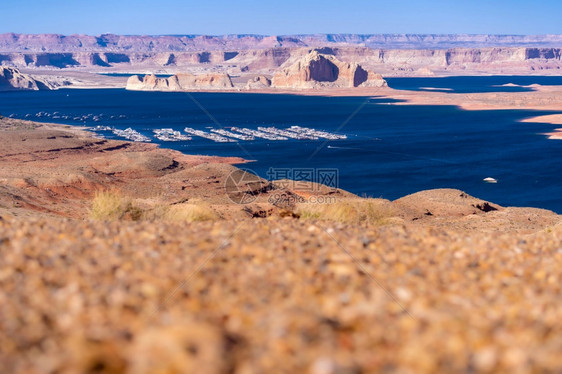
column 103, row 128
column 258, row 134
column 287, row 134
column 317, row 133
column 231, row 134
column 170, row 135
column 208, row 135
column 131, row 135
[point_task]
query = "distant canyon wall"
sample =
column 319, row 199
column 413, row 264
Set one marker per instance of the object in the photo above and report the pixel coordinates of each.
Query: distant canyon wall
column 37, row 43
column 237, row 55
column 266, row 61
column 102, row 59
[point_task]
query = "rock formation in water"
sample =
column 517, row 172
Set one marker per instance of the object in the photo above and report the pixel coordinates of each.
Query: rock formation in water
column 180, row 82
column 148, row 82
column 12, row 79
column 322, row 70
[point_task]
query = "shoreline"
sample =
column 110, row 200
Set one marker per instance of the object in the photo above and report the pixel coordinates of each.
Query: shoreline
column 86, row 132
column 553, row 119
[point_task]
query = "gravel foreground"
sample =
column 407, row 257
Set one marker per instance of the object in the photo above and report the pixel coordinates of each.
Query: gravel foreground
column 276, row 296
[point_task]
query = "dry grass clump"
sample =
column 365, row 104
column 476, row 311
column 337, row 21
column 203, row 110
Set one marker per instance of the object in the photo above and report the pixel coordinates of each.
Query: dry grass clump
column 195, row 211
column 375, row 211
column 111, row 206
column 189, row 212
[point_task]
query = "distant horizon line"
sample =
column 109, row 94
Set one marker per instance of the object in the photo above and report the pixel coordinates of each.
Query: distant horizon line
column 285, row 35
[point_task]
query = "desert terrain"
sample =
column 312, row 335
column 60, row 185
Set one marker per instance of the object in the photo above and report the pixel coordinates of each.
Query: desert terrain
column 173, row 275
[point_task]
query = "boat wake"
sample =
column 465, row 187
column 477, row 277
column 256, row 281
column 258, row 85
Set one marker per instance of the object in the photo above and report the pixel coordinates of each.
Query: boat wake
column 334, row 147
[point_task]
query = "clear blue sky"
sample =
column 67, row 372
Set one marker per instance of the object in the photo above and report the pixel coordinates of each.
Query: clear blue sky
column 217, row 17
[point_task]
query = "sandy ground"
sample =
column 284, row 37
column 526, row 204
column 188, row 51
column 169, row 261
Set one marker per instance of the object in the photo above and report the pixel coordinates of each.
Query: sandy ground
column 555, row 119
column 276, row 296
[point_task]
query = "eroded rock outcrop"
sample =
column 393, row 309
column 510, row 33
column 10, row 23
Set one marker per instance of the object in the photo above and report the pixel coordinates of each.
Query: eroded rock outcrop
column 180, row 82
column 13, row 79
column 323, row 70
column 258, row 82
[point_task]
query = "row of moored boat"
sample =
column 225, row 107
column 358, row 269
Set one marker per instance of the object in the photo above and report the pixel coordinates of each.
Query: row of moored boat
column 81, row 118
column 234, row 134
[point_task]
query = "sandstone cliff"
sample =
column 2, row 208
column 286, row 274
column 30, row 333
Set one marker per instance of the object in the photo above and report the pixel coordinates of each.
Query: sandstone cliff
column 390, row 62
column 180, row 82
column 12, row 79
column 321, row 70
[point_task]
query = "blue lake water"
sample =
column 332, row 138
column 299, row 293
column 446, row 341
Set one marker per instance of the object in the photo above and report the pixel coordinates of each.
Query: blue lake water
column 456, row 84
column 391, row 150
